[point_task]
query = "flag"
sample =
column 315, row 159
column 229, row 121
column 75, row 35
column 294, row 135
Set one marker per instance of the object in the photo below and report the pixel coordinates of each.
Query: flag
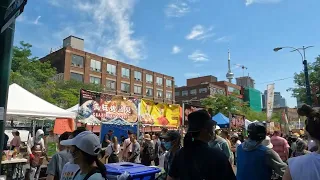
column 270, row 99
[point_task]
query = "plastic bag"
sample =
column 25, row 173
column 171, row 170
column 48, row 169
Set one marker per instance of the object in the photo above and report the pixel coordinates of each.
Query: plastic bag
column 124, row 176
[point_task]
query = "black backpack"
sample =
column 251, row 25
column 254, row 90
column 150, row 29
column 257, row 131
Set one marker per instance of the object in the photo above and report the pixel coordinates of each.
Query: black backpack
column 149, row 152
column 113, row 158
column 92, row 172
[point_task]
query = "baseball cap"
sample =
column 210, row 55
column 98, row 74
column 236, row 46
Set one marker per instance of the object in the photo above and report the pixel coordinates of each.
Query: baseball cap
column 257, row 131
column 198, row 120
column 86, row 141
column 171, row 135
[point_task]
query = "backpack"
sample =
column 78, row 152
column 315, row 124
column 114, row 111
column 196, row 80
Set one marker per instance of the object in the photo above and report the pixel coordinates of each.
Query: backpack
column 113, row 158
column 92, row 172
column 149, row 152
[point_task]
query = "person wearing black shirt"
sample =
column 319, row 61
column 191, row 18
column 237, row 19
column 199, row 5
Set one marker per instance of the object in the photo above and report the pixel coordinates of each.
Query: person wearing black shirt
column 196, row 160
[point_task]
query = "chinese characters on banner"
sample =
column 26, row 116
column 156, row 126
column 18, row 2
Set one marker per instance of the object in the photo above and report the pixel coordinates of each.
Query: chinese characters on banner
column 107, row 107
column 237, row 121
column 159, row 114
column 270, row 99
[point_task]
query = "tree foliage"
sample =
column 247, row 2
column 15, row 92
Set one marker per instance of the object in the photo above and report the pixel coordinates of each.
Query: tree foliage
column 36, row 77
column 299, row 91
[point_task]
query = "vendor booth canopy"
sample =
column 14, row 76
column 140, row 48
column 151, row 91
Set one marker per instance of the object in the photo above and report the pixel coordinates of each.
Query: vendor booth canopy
column 23, row 103
column 221, row 120
column 74, row 108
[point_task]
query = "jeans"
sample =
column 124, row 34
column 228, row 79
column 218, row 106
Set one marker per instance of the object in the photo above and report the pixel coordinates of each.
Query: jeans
column 34, row 173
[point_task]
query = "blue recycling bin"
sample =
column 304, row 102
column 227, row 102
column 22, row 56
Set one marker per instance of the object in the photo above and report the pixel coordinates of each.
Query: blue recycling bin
column 136, row 171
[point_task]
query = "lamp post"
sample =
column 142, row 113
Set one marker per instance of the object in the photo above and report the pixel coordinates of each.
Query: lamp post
column 305, row 65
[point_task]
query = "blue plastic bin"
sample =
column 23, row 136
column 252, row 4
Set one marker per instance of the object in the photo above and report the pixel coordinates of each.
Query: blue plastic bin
column 136, row 171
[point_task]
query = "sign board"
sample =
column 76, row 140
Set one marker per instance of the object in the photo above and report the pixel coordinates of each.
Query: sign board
column 12, row 12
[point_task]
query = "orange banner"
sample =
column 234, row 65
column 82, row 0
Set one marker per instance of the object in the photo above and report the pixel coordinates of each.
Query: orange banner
column 63, row 125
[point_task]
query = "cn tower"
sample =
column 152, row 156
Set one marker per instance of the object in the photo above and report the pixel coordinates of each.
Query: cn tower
column 229, row 74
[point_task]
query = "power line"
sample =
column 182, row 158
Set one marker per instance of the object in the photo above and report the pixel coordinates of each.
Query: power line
column 276, row 80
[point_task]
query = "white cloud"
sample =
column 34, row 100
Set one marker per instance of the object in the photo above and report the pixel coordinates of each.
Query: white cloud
column 176, row 49
column 37, row 20
column 249, row 2
column 177, row 9
column 198, row 56
column 107, row 29
column 223, row 39
column 199, row 32
column 191, row 75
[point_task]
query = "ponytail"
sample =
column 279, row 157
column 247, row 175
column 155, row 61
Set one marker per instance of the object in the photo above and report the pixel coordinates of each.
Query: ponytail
column 101, row 167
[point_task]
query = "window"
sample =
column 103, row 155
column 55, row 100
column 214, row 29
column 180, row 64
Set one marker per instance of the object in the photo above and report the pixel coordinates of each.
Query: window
column 184, row 93
column 111, row 69
column 193, row 92
column 137, row 75
column 233, row 90
column 177, row 93
column 95, row 65
column 95, row 80
column 125, row 72
column 137, row 89
column 169, row 95
column 76, row 76
column 111, row 85
column 77, row 61
column 203, row 90
column 159, row 81
column 125, row 87
column 168, row 83
column 149, row 92
column 149, row 78
column 159, row 93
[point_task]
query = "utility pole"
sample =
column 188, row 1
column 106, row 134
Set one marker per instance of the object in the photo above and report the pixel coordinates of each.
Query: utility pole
column 9, row 10
column 306, row 76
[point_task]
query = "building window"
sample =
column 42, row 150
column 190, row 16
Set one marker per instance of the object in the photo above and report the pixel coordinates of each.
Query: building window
column 159, row 81
column 77, row 61
column 125, row 72
column 95, row 65
column 95, row 80
column 184, row 93
column 76, row 77
column 168, row 83
column 125, row 87
column 203, row 90
column 137, row 89
column 233, row 90
column 110, row 84
column 149, row 78
column 193, row 92
column 159, row 93
column 137, row 75
column 111, row 69
column 169, row 95
column 177, row 93
column 149, row 92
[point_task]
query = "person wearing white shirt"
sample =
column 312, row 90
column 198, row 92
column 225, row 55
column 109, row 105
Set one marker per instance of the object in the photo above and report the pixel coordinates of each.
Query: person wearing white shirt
column 127, row 147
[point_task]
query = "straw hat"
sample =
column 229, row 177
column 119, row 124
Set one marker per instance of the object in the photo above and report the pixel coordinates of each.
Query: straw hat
column 147, row 137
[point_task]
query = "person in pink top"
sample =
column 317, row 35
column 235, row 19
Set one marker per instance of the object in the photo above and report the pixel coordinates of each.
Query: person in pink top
column 16, row 141
column 280, row 145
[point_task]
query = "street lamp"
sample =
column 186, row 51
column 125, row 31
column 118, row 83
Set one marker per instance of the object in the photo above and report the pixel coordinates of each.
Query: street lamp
column 305, row 65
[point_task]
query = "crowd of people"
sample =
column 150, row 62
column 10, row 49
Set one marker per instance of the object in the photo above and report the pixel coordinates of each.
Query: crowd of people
column 204, row 152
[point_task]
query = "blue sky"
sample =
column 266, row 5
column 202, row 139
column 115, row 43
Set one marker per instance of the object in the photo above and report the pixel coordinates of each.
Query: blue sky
column 183, row 38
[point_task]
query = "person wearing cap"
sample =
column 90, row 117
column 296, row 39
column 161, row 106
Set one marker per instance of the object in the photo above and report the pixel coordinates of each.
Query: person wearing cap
column 235, row 142
column 221, row 144
column 172, row 140
column 256, row 161
column 58, row 160
column 16, row 141
column 147, row 150
column 127, row 146
column 85, row 148
column 196, row 160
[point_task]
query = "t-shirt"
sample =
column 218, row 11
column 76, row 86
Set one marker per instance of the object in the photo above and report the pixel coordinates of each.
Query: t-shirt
column 201, row 162
column 95, row 176
column 127, row 147
column 57, row 163
column 221, row 144
column 280, row 145
column 305, row 167
column 111, row 148
column 68, row 171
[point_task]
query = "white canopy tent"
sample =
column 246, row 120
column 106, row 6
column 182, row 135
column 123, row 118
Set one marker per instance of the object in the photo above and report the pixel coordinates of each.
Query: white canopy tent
column 23, row 103
column 74, row 108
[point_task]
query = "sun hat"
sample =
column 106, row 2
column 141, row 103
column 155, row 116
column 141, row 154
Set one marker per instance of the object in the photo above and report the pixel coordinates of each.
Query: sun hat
column 147, row 137
column 267, row 142
column 198, row 120
column 234, row 135
column 86, row 141
column 171, row 135
column 218, row 127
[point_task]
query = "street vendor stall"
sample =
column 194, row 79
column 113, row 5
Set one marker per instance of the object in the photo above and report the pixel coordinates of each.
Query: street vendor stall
column 221, row 120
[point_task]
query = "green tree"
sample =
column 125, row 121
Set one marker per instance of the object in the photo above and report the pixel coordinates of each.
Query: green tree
column 299, row 91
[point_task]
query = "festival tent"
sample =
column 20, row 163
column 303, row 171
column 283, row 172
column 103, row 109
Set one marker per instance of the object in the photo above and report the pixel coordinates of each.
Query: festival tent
column 221, row 120
column 23, row 103
column 74, row 108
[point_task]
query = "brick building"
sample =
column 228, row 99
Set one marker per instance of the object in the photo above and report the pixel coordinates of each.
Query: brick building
column 230, row 88
column 197, row 89
column 72, row 62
